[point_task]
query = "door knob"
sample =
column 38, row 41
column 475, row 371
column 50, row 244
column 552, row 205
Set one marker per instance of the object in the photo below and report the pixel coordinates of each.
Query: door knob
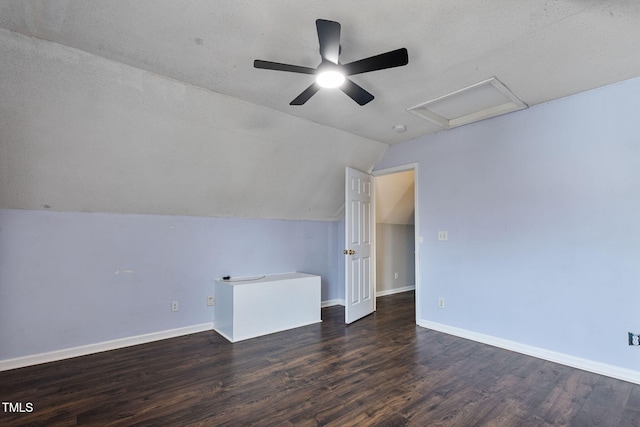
column 352, row 252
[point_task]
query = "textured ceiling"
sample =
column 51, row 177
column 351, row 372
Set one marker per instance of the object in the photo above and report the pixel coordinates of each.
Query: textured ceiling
column 542, row 50
column 153, row 106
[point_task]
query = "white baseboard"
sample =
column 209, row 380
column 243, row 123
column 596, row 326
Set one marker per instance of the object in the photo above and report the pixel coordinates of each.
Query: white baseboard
column 67, row 353
column 332, row 302
column 227, row 337
column 541, row 353
column 395, row 290
column 83, row 350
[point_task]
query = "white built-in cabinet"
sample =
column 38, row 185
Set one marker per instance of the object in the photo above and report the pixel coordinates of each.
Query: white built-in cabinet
column 248, row 308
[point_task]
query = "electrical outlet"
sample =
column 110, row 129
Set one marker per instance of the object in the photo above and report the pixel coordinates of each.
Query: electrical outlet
column 211, row 301
column 395, row 275
column 441, row 302
column 443, row 235
column 174, row 305
column 634, row 339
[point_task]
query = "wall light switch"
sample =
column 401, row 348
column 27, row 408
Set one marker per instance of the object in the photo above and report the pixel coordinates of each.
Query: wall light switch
column 443, row 235
column 421, row 239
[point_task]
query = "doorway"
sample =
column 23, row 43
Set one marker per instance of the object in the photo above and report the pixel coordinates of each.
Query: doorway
column 396, row 231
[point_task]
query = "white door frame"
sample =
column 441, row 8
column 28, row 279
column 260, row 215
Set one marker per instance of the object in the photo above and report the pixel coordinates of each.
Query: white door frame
column 389, row 171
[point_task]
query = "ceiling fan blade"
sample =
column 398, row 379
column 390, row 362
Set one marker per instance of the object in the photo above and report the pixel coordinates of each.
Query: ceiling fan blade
column 306, row 94
column 268, row 65
column 329, row 39
column 356, row 93
column 394, row 58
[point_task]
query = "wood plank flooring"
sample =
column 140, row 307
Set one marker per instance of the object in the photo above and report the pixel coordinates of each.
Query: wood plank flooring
column 380, row 371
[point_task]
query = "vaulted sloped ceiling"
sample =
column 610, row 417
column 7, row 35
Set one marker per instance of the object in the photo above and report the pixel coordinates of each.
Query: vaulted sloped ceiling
column 152, row 106
column 395, row 198
column 82, row 133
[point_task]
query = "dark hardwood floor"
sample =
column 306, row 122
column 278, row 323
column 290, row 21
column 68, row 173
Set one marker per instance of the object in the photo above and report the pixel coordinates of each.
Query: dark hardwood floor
column 382, row 370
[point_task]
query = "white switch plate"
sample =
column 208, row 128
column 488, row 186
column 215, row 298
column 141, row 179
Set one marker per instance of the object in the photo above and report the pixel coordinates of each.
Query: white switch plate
column 210, row 301
column 421, row 239
column 441, row 302
column 443, row 235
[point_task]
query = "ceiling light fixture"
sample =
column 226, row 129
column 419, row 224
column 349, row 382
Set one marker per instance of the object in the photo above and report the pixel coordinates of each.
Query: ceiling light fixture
column 330, row 79
column 400, row 128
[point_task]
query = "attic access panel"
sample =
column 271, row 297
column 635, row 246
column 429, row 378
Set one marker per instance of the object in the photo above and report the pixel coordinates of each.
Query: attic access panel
column 483, row 100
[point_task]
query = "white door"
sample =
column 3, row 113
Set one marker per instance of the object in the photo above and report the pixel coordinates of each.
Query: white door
column 359, row 234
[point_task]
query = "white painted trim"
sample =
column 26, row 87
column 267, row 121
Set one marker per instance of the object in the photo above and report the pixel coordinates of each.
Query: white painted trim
column 227, row 337
column 395, row 169
column 374, row 244
column 83, row 350
column 332, row 302
column 395, row 291
column 541, row 353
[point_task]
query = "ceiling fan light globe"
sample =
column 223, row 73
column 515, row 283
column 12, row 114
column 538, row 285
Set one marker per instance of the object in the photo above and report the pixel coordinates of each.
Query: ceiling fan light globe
column 330, row 79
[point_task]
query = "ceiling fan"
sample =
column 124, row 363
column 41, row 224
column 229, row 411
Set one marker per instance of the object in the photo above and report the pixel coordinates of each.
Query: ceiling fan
column 331, row 73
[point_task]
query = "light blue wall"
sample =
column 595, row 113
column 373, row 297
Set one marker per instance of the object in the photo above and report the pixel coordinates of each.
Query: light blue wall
column 70, row 279
column 542, row 209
